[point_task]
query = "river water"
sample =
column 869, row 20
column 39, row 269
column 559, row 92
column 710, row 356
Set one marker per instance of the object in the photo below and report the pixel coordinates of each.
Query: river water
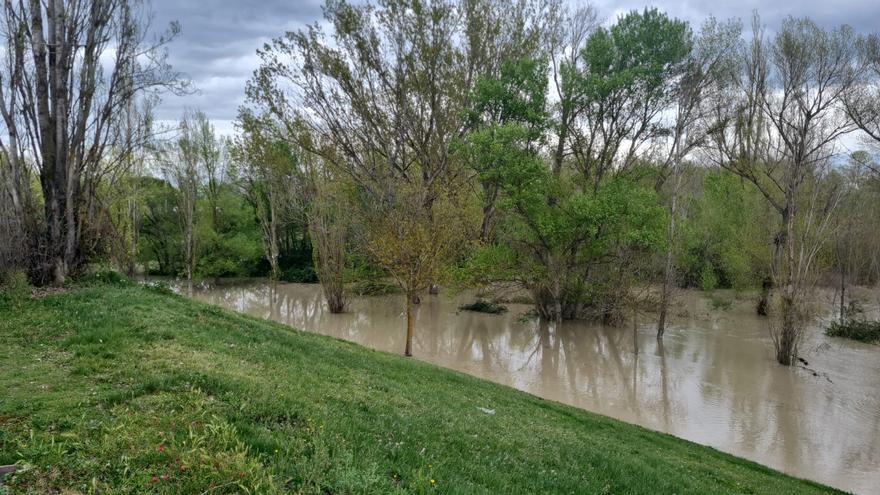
column 713, row 380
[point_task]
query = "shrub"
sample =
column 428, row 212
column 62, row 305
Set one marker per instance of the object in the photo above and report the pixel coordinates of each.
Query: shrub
column 719, row 303
column 16, row 287
column 483, row 306
column 856, row 329
column 159, row 287
column 708, row 279
column 374, row 287
column 299, row 274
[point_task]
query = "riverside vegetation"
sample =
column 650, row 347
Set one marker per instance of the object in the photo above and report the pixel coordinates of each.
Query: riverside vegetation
column 131, row 389
column 397, row 147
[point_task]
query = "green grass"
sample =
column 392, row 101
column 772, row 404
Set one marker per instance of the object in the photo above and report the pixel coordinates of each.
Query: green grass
column 122, row 389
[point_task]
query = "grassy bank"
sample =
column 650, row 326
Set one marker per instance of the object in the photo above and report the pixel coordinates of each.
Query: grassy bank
column 127, row 390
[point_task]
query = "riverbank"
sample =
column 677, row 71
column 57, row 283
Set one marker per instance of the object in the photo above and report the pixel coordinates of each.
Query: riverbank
column 126, row 388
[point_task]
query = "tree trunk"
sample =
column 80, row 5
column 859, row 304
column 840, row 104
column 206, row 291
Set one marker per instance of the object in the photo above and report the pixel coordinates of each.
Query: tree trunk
column 272, row 247
column 668, row 269
column 786, row 341
column 409, row 323
column 842, row 293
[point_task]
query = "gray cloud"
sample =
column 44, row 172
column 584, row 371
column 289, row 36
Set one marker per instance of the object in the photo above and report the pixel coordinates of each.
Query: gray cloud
column 217, row 47
column 219, row 38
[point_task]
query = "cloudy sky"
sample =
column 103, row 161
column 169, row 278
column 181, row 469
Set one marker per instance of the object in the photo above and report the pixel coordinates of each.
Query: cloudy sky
column 217, row 46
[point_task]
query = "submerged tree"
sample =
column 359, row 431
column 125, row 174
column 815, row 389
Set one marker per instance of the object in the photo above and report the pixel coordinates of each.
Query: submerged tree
column 702, row 75
column 414, row 245
column 777, row 130
column 328, row 222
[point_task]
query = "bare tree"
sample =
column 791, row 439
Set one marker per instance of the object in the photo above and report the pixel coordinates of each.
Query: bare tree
column 711, row 58
column 266, row 167
column 212, row 154
column 71, row 68
column 180, row 162
column 566, row 49
column 778, row 130
column 328, row 231
column 863, row 101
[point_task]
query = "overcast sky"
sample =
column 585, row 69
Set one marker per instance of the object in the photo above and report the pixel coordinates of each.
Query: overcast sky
column 217, row 46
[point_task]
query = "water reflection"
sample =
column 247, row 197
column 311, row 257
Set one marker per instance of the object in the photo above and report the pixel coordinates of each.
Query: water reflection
column 712, row 380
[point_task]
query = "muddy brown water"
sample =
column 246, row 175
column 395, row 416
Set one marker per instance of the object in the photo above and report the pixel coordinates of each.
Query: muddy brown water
column 712, row 381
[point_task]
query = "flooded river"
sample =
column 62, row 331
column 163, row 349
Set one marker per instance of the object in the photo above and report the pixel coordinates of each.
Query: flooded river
column 713, row 380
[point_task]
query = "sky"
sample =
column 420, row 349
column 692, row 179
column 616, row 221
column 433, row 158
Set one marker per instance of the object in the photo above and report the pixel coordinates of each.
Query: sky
column 217, row 46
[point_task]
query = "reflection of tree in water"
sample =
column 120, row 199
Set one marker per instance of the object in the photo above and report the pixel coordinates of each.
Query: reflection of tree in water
column 475, row 343
column 711, row 380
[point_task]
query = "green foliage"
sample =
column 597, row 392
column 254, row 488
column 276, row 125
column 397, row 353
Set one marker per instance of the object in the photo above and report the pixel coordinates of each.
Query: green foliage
column 231, row 248
column 139, row 392
column 517, row 95
column 16, row 288
column 857, row 329
column 724, row 237
column 159, row 287
column 708, row 280
column 636, row 56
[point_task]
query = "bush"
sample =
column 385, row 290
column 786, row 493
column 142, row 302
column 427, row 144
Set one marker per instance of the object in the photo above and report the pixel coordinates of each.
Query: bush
column 299, row 274
column 708, row 279
column 159, row 287
column 857, row 329
column 374, row 287
column 719, row 303
column 483, row 306
column 16, row 287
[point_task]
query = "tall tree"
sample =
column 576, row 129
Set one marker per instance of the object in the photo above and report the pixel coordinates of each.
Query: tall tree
column 266, row 167
column 72, row 67
column 181, row 163
column 863, row 102
column 778, row 130
column 626, row 77
column 701, row 78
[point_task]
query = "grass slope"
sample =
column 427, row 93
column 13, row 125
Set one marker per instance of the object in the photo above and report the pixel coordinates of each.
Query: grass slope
column 121, row 389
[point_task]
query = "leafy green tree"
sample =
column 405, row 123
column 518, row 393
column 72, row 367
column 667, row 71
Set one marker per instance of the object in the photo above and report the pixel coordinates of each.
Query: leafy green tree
column 625, row 79
column 553, row 230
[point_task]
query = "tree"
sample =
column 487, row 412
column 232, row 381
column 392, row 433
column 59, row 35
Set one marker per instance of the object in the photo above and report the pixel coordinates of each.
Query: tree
column 182, row 164
column 855, row 245
column 778, row 131
column 266, row 167
column 702, row 76
column 71, row 69
column 625, row 79
column 328, row 229
column 211, row 152
column 863, row 101
column 415, row 245
column 508, row 117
